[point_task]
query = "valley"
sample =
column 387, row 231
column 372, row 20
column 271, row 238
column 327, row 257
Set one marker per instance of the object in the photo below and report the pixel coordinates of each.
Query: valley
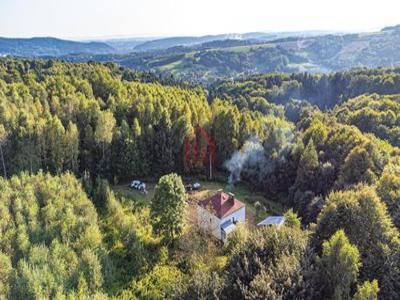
column 199, row 150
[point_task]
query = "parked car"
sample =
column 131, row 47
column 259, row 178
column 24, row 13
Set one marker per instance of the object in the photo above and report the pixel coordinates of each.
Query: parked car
column 196, row 186
column 135, row 184
column 138, row 185
column 192, row 187
column 142, row 187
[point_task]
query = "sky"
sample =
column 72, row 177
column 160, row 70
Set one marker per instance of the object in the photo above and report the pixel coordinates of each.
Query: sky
column 81, row 19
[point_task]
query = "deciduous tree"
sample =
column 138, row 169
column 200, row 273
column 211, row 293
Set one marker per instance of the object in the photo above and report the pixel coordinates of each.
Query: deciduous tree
column 339, row 266
column 168, row 207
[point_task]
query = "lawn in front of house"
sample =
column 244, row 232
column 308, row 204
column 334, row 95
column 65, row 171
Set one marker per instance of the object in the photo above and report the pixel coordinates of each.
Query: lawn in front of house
column 124, row 190
column 208, row 188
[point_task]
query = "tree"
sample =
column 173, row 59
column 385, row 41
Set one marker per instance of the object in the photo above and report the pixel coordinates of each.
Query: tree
column 203, row 286
column 168, row 207
column 87, row 183
column 339, row 266
column 361, row 165
column 5, row 275
column 388, row 189
column 163, row 147
column 104, row 129
column 130, row 233
column 267, row 266
column 307, row 166
column 59, row 241
column 236, row 239
column 364, row 219
column 291, row 219
column 160, row 283
column 100, row 192
column 71, row 142
column 56, row 149
column 367, row 291
column 226, row 124
column 307, row 181
column 3, row 138
column 317, row 132
column 124, row 153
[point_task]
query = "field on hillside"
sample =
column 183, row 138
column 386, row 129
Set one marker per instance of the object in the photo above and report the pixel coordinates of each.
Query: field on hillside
column 209, row 188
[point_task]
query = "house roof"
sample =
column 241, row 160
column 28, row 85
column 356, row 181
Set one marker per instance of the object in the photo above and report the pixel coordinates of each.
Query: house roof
column 221, row 204
column 273, row 220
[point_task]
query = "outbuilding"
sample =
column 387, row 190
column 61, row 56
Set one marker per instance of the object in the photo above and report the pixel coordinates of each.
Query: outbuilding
column 273, row 221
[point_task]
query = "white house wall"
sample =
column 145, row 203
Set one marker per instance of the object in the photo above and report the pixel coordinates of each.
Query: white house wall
column 239, row 215
column 207, row 221
column 211, row 223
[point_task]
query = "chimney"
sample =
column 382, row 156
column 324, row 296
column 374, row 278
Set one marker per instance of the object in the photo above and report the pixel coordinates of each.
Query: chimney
column 231, row 198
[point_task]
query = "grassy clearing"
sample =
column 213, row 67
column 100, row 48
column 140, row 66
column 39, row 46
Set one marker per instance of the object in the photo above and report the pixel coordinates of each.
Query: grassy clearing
column 171, row 66
column 247, row 48
column 208, row 188
column 123, row 190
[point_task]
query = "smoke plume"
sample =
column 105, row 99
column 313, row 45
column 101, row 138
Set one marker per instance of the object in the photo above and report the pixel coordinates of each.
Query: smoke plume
column 251, row 152
column 256, row 160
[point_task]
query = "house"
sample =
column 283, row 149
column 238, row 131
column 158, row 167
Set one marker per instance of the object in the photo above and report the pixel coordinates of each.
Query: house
column 273, row 221
column 220, row 213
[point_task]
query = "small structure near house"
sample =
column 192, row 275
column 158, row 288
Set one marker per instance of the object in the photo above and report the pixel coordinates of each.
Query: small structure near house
column 219, row 214
column 273, row 221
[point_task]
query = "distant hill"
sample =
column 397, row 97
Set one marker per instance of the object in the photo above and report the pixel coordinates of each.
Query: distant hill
column 182, row 41
column 208, row 58
column 396, row 27
column 226, row 44
column 238, row 57
column 190, row 41
column 125, row 45
column 50, row 47
column 128, row 45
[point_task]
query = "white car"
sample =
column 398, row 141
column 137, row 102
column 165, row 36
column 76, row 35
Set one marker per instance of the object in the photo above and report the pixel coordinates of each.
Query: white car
column 135, row 184
column 196, row 186
column 142, row 187
column 138, row 185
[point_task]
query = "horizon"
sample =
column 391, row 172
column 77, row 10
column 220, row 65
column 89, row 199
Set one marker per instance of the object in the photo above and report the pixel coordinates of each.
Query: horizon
column 148, row 38
column 123, row 37
column 124, row 19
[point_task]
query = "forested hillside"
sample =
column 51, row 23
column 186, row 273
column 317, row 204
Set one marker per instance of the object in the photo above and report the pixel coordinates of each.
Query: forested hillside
column 208, row 58
column 322, row 90
column 51, row 244
column 323, row 147
column 35, row 47
column 238, row 58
